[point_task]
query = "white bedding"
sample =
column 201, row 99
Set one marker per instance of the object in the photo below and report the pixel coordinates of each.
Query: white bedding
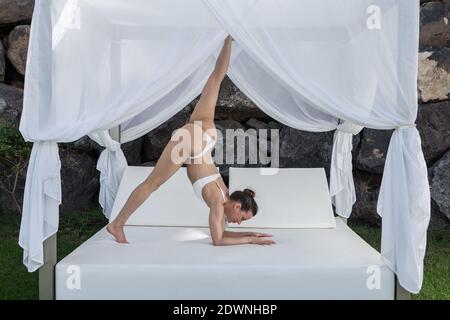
column 291, row 198
column 182, row 263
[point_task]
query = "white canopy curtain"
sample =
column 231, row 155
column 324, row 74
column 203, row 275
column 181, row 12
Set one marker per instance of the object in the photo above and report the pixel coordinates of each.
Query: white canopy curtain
column 310, row 64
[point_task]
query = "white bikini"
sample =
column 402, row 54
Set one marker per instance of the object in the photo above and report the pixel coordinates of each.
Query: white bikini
column 199, row 184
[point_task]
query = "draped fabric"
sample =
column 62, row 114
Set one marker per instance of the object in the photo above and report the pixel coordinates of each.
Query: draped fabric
column 95, row 64
column 342, row 187
column 111, row 164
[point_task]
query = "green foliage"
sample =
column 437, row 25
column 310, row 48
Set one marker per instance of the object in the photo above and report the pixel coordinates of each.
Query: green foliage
column 12, row 146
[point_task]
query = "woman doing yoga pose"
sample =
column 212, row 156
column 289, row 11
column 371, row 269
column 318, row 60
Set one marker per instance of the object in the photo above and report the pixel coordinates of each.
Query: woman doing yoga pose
column 192, row 145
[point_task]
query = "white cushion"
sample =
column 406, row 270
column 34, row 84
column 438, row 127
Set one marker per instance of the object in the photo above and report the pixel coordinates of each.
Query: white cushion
column 182, row 263
column 290, row 198
column 173, row 204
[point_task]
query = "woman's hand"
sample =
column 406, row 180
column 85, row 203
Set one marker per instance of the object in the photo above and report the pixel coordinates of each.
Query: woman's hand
column 260, row 241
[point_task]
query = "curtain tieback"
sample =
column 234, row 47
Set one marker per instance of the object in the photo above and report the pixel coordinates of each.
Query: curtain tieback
column 406, row 126
column 346, row 126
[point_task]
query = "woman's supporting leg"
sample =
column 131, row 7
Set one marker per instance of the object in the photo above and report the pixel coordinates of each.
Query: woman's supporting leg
column 164, row 169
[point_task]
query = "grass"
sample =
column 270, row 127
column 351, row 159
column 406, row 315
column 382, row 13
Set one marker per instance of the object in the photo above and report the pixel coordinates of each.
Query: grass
column 15, row 281
column 75, row 228
column 436, row 283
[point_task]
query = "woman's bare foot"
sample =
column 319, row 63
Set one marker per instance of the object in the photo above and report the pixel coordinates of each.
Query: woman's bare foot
column 117, row 231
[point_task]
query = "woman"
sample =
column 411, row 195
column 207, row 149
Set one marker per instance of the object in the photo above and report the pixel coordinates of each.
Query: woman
column 207, row 182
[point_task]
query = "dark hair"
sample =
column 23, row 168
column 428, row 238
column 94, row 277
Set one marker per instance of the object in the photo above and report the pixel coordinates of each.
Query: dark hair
column 246, row 198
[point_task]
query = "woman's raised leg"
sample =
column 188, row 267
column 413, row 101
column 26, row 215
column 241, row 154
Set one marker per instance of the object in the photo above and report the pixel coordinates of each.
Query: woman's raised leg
column 174, row 155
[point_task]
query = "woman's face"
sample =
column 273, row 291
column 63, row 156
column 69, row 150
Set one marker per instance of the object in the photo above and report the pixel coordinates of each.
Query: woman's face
column 235, row 214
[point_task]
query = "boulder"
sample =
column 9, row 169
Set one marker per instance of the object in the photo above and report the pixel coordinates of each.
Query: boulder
column 13, row 11
column 156, row 140
column 132, row 151
column 258, row 124
column 434, row 75
column 302, row 149
column 233, row 104
column 88, row 145
column 367, row 187
column 439, row 184
column 79, row 180
column 2, row 63
column 433, row 123
column 370, row 155
column 11, row 100
column 17, row 47
column 434, row 24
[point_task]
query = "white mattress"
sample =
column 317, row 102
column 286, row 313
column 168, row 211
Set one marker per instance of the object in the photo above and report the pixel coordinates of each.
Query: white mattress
column 182, row 263
column 291, row 198
column 288, row 198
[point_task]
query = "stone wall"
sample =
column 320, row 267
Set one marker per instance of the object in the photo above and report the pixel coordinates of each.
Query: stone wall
column 235, row 110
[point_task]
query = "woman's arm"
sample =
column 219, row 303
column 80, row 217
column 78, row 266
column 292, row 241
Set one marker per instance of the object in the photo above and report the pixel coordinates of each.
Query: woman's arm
column 218, row 234
column 235, row 234
column 245, row 234
column 217, row 229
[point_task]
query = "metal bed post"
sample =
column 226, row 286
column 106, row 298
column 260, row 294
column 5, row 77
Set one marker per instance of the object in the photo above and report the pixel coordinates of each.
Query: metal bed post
column 400, row 292
column 115, row 133
column 47, row 271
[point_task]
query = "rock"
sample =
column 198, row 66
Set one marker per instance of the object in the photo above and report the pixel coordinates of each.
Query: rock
column 11, row 100
column 79, row 180
column 434, row 24
column 440, row 183
column 13, row 11
column 257, row 124
column 434, row 75
column 18, row 46
column 223, row 125
column 2, row 63
column 433, row 123
column 301, row 149
column 132, row 151
column 233, row 104
column 275, row 125
column 88, row 145
column 367, row 187
column 156, row 140
column 372, row 150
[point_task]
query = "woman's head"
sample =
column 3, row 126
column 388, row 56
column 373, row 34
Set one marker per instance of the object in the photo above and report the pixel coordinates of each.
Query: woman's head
column 242, row 206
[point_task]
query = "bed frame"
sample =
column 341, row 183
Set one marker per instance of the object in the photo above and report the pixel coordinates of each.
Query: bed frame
column 47, row 271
